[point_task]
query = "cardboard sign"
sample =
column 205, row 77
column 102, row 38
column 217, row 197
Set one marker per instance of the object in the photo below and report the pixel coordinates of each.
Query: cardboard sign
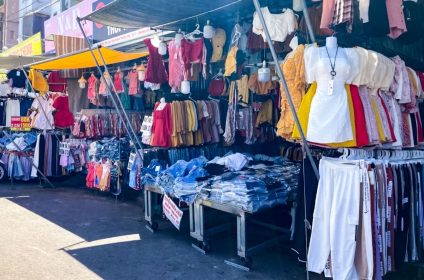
column 20, row 124
column 172, row 212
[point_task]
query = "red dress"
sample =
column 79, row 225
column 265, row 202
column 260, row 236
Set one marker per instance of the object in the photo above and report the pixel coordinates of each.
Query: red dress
column 162, row 126
column 362, row 138
column 63, row 118
column 118, row 83
column 155, row 72
column 56, row 82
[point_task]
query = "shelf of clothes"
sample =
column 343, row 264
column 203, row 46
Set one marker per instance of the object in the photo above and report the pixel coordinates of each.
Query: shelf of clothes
column 249, row 182
column 378, row 217
column 105, row 163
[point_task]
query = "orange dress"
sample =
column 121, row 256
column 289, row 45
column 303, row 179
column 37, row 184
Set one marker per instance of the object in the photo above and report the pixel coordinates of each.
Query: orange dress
column 294, row 72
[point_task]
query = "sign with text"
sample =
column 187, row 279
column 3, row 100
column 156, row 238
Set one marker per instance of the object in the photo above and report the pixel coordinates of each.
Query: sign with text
column 103, row 32
column 171, row 211
column 20, row 124
column 29, row 47
column 66, row 23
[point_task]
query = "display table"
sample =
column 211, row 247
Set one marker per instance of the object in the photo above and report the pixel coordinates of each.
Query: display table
column 202, row 235
column 150, row 201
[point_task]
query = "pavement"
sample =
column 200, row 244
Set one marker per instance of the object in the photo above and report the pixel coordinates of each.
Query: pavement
column 72, row 233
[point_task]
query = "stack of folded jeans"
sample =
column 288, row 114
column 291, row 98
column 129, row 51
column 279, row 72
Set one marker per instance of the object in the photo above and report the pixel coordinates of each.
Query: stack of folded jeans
column 179, row 180
column 257, row 188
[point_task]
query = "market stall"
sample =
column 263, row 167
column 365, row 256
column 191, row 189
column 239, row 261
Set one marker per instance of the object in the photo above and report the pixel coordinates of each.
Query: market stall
column 345, row 92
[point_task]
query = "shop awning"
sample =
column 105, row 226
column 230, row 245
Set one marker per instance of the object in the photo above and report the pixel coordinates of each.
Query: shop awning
column 153, row 13
column 14, row 61
column 84, row 59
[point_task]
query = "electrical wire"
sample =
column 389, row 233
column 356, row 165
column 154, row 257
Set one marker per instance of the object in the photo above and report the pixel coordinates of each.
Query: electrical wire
column 38, row 9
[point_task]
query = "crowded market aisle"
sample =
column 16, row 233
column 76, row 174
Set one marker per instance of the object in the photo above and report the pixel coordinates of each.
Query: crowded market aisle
column 67, row 233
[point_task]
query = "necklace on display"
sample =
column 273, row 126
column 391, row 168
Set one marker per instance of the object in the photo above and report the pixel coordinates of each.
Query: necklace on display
column 333, row 72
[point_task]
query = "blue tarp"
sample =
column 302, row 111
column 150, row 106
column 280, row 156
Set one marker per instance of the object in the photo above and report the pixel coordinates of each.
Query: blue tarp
column 154, row 13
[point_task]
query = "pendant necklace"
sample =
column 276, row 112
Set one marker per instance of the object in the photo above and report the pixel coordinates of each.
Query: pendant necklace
column 333, row 65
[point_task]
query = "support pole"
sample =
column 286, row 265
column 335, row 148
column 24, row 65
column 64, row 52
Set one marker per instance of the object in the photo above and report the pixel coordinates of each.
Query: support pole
column 286, row 89
column 308, row 21
column 121, row 106
column 127, row 125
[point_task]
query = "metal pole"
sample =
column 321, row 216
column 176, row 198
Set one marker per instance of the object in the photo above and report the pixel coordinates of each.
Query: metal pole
column 129, row 131
column 32, row 161
column 286, row 89
column 308, row 21
column 118, row 99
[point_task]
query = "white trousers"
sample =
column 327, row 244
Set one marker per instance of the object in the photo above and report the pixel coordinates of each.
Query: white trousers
column 335, row 219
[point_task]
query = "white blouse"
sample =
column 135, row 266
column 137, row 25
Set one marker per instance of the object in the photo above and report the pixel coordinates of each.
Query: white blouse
column 279, row 25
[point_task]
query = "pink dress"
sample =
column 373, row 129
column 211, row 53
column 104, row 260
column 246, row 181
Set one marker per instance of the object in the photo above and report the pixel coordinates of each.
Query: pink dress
column 155, row 72
column 162, row 126
column 118, row 83
column 92, row 84
column 134, row 82
column 176, row 65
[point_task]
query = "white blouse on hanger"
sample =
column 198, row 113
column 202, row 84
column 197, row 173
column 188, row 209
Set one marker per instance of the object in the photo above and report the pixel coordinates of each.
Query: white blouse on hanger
column 279, row 25
column 39, row 120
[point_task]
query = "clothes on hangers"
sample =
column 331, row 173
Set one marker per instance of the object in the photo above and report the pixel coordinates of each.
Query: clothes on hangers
column 63, row 118
column 155, row 72
column 56, row 82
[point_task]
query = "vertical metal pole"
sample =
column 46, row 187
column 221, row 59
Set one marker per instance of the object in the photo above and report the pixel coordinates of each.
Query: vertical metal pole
column 286, row 89
column 119, row 100
column 129, row 131
column 308, row 21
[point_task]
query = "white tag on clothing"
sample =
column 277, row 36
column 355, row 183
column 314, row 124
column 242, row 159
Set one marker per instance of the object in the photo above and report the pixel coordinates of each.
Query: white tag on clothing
column 390, row 189
column 330, row 87
column 131, row 161
column 18, row 74
column 405, row 200
column 157, row 168
column 371, row 175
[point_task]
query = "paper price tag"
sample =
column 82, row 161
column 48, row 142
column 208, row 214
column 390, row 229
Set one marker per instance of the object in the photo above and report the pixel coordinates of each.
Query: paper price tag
column 330, row 87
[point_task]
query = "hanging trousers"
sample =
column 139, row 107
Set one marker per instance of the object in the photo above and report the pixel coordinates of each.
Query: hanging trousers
column 335, row 219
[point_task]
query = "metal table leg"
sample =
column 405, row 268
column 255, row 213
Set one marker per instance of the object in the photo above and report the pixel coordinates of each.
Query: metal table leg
column 148, row 211
column 241, row 235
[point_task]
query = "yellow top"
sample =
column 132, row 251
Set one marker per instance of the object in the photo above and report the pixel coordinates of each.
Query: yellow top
column 38, row 81
column 231, row 62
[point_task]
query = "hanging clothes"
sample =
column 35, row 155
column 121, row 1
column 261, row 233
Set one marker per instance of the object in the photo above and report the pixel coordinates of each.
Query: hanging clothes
column 118, row 81
column 56, row 82
column 42, row 115
column 294, row 71
column 162, row 126
column 13, row 109
column 92, row 89
column 63, row 118
column 134, row 83
column 155, row 72
column 38, row 82
column 176, row 65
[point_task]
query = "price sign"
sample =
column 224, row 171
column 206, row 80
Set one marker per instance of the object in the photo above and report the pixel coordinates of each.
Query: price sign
column 171, row 211
column 20, row 124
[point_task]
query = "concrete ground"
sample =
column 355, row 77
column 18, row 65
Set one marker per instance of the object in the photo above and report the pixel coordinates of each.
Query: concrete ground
column 69, row 233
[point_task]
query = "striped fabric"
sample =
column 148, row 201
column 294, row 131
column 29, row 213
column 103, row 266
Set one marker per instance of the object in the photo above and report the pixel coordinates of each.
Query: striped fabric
column 343, row 13
column 65, row 45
